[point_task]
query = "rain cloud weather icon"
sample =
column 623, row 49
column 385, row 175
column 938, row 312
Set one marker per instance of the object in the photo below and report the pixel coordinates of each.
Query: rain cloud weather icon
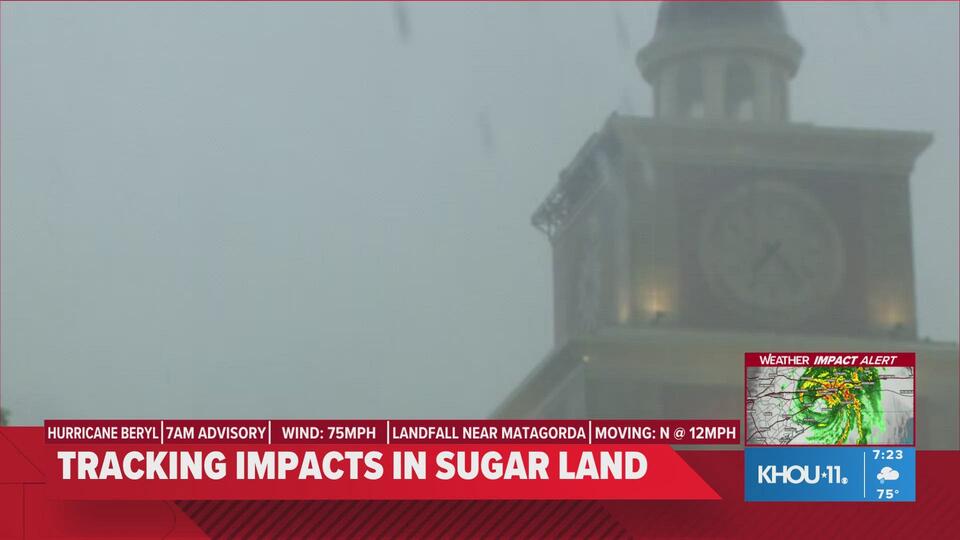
column 887, row 473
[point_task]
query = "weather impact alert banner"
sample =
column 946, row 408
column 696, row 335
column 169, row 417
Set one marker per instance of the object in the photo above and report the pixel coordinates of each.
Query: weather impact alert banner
column 830, row 427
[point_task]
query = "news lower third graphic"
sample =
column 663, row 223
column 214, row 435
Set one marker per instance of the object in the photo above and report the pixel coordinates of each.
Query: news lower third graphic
column 830, row 427
column 173, row 459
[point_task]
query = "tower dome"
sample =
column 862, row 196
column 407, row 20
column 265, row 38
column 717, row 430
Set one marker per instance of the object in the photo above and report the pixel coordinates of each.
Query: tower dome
column 721, row 61
column 697, row 16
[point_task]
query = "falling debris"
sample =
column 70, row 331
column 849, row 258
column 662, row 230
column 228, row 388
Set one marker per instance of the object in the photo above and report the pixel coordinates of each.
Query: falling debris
column 621, row 30
column 401, row 16
column 486, row 133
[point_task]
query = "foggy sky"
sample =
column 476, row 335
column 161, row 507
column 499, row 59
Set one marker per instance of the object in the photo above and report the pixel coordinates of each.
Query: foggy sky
column 249, row 210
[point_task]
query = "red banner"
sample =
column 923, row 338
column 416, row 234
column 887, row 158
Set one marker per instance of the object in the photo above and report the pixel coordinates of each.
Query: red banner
column 379, row 472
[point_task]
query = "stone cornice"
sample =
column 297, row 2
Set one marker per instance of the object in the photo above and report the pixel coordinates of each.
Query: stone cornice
column 787, row 146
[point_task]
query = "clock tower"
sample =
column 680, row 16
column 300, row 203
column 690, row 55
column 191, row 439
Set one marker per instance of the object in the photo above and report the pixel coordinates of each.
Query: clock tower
column 720, row 226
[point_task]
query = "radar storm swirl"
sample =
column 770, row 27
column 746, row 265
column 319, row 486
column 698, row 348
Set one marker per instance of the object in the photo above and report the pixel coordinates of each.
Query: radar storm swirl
column 833, row 401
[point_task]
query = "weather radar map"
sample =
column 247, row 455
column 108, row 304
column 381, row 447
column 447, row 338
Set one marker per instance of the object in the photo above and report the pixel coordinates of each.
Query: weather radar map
column 830, row 405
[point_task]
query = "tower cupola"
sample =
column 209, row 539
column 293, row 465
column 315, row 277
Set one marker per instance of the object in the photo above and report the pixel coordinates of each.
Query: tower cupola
column 721, row 61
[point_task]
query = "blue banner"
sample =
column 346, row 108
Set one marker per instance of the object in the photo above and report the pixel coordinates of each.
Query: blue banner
column 835, row 473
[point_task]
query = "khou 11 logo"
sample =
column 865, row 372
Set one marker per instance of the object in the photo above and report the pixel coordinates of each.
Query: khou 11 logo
column 797, row 474
column 829, row 474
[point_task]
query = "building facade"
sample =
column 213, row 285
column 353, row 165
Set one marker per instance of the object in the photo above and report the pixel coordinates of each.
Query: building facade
column 719, row 226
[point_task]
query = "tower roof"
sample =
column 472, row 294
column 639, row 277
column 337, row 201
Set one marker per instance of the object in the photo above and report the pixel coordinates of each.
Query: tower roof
column 690, row 28
column 694, row 16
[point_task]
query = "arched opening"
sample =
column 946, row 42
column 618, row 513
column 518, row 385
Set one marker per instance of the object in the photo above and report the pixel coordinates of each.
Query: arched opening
column 781, row 109
column 740, row 93
column 690, row 91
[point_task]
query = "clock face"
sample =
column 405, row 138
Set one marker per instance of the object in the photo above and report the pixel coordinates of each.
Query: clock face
column 771, row 251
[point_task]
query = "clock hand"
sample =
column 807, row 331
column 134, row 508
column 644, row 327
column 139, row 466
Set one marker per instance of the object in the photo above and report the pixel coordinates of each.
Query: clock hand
column 794, row 275
column 769, row 250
